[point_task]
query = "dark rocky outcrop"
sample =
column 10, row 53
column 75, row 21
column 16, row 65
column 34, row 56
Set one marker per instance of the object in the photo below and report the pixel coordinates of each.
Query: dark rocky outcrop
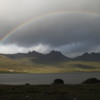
column 91, row 81
column 27, row 84
column 58, row 81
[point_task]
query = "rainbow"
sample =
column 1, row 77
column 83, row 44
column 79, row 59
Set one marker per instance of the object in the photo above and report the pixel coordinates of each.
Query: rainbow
column 34, row 19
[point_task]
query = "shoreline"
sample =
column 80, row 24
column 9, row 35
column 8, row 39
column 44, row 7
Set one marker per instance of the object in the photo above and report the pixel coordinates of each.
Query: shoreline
column 50, row 73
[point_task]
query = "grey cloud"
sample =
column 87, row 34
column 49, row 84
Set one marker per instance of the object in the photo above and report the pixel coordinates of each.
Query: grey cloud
column 74, row 32
column 82, row 30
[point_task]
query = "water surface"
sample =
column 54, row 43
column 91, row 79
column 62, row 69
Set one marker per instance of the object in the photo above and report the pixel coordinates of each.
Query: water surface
column 69, row 78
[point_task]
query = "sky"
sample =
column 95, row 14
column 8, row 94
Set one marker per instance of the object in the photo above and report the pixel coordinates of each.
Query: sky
column 69, row 26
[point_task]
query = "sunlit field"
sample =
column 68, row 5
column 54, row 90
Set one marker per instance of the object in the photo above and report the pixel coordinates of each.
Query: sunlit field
column 26, row 65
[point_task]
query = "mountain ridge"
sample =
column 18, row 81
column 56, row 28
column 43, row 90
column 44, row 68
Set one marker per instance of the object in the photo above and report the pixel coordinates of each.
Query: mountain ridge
column 88, row 57
column 55, row 56
column 52, row 62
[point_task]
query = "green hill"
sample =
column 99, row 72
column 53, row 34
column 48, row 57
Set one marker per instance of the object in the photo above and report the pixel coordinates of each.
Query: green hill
column 53, row 62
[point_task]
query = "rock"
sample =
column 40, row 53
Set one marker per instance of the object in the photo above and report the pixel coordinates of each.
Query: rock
column 58, row 81
column 27, row 84
column 91, row 81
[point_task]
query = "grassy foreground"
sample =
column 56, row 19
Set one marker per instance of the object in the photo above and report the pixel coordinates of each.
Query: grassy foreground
column 50, row 92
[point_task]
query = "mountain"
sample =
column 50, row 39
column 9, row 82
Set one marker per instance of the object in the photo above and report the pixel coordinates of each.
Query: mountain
column 52, row 62
column 88, row 57
column 22, row 55
column 52, row 57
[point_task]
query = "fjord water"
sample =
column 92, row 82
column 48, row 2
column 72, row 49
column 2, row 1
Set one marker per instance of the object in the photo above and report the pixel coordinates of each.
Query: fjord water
column 69, row 78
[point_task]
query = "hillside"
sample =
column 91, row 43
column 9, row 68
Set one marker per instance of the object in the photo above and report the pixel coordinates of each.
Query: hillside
column 53, row 62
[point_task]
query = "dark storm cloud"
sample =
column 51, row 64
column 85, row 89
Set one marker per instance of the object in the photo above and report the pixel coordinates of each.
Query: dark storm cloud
column 77, row 32
column 71, row 32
